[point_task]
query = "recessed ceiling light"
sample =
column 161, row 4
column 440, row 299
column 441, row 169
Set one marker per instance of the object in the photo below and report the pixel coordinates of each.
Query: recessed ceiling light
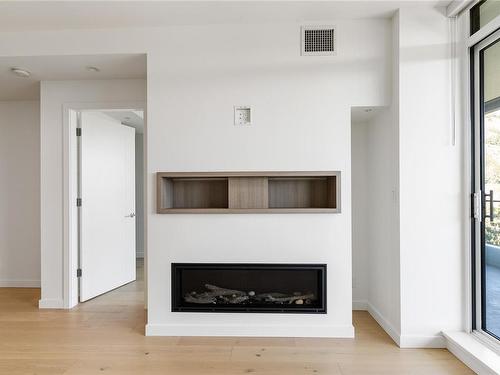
column 93, row 69
column 20, row 72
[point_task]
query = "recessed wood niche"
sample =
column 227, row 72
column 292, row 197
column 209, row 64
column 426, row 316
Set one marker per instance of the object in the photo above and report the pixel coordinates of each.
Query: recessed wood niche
column 248, row 192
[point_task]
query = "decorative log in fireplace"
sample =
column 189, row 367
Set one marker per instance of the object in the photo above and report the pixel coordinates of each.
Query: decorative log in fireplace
column 222, row 287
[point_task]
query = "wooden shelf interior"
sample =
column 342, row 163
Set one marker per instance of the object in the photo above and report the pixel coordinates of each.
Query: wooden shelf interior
column 248, row 192
column 195, row 193
column 302, row 192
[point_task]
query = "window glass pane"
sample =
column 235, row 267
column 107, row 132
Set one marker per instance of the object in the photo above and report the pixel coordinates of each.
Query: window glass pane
column 484, row 12
column 491, row 75
column 491, row 270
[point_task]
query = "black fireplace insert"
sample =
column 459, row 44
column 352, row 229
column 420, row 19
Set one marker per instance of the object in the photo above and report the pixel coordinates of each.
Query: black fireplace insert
column 249, row 287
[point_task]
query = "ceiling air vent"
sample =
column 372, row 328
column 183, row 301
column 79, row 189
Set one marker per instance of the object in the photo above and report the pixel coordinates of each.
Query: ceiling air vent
column 318, row 41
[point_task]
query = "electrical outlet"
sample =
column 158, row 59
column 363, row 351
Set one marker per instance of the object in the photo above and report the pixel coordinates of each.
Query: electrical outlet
column 242, row 115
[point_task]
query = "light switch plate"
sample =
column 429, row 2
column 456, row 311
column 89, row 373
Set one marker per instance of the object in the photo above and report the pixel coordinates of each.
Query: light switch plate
column 242, row 115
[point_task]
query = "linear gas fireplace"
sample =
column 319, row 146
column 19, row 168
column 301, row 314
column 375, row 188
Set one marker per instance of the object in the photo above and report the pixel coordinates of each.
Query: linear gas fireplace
column 262, row 288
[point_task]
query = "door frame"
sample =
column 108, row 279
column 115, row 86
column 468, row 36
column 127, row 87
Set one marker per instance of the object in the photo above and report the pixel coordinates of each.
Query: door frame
column 70, row 193
column 478, row 201
column 464, row 112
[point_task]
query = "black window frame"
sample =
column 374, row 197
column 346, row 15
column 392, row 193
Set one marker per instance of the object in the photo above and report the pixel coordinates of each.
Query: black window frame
column 475, row 17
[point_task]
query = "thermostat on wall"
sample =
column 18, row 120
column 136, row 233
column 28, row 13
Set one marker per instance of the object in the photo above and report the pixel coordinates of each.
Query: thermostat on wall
column 242, row 115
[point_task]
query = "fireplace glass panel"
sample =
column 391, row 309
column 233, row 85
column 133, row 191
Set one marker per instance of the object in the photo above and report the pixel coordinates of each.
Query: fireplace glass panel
column 249, row 288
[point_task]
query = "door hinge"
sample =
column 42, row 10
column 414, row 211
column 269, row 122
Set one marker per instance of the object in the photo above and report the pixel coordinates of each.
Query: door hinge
column 78, row 132
column 79, row 272
column 476, row 206
column 78, row 202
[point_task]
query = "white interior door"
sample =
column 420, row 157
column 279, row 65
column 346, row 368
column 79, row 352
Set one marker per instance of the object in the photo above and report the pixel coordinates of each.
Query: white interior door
column 107, row 182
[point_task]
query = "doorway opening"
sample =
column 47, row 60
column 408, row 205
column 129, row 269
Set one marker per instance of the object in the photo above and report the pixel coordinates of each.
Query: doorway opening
column 45, row 101
column 375, row 210
column 109, row 164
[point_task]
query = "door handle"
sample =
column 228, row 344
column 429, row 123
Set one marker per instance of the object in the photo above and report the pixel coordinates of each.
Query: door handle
column 491, row 201
column 130, row 215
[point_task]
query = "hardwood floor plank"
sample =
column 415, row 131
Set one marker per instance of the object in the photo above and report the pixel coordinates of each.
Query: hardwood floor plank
column 106, row 336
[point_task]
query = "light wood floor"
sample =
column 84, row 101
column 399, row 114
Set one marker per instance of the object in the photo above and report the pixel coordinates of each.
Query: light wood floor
column 106, row 336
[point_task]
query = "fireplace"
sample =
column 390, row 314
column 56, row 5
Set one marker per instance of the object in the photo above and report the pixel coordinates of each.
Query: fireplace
column 262, row 288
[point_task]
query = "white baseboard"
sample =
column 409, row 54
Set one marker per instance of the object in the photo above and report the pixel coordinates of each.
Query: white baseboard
column 360, row 305
column 386, row 326
column 19, row 283
column 474, row 354
column 414, row 341
column 51, row 304
column 249, row 330
column 405, row 341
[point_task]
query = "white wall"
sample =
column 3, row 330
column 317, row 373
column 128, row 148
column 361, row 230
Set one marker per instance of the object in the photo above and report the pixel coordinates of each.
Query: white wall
column 54, row 95
column 360, row 190
column 19, row 194
column 431, row 196
column 139, row 195
column 383, row 226
column 415, row 260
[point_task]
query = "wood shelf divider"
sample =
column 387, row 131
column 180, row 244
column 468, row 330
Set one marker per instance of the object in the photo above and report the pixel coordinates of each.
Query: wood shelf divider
column 248, row 192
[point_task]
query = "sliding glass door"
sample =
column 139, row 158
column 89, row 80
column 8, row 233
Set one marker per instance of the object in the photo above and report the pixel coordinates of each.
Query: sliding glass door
column 486, row 96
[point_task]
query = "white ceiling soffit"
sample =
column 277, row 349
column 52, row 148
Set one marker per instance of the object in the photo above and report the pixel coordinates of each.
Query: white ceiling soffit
column 60, row 68
column 57, row 15
column 132, row 118
column 361, row 115
column 458, row 6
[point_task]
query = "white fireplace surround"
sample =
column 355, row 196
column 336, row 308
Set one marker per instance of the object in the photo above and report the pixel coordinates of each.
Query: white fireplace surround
column 253, row 239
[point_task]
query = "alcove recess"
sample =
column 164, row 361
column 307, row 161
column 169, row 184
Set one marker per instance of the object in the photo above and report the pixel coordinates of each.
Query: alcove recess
column 248, row 192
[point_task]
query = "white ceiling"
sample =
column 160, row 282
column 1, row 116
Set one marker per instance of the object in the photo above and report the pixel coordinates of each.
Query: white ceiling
column 118, row 66
column 57, row 15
